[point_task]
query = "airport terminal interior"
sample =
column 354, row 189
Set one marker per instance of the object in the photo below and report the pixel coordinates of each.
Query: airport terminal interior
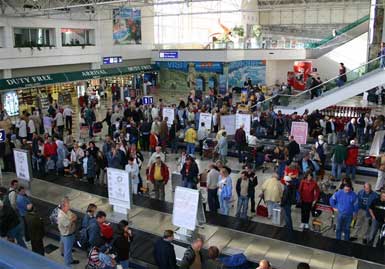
column 192, row 134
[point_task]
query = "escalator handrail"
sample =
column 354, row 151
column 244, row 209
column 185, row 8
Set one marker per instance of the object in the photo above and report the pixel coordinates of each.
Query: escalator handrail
column 322, row 84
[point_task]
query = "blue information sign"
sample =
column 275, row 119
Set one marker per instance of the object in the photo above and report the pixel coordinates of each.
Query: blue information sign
column 2, row 135
column 168, row 54
column 112, row 60
column 147, row 100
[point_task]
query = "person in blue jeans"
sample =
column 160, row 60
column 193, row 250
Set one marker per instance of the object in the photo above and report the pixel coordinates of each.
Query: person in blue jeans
column 289, row 198
column 244, row 189
column 345, row 202
column 377, row 213
column 66, row 222
column 225, row 189
column 11, row 226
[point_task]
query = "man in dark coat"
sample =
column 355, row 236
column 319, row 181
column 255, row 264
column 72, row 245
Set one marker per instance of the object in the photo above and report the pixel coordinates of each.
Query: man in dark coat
column 164, row 252
column 293, row 148
column 241, row 142
column 35, row 226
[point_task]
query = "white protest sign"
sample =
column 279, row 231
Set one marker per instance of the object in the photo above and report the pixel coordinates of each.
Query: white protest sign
column 244, row 119
column 206, row 118
column 22, row 164
column 185, row 208
column 119, row 193
column 228, row 122
column 377, row 143
column 299, row 131
column 168, row 113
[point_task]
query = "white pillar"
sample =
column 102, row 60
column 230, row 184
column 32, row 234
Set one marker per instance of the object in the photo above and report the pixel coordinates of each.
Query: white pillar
column 7, row 73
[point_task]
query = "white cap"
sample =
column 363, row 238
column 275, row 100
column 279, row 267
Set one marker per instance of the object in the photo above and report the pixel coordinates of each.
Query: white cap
column 287, row 178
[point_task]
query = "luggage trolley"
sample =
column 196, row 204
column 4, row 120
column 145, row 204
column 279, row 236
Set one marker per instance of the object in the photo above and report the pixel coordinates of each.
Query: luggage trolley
column 318, row 224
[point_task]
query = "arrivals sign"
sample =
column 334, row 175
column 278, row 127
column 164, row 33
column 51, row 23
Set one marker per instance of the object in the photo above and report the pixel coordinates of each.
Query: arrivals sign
column 299, row 131
column 32, row 81
column 22, row 164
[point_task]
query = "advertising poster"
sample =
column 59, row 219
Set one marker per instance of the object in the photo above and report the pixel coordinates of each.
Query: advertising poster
column 11, row 103
column 185, row 208
column 244, row 119
column 299, row 131
column 228, row 121
column 127, row 23
column 206, row 118
column 168, row 113
column 119, row 193
column 22, row 164
column 239, row 71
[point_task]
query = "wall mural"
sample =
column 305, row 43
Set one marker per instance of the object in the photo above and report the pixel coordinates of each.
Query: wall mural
column 239, row 71
column 127, row 23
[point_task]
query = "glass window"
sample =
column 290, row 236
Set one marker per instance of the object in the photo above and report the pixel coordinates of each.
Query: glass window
column 33, row 37
column 77, row 37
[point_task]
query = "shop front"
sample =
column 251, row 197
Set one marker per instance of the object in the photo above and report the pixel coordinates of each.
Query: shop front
column 23, row 93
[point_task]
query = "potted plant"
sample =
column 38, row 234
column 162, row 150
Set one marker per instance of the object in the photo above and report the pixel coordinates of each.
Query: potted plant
column 255, row 34
column 238, row 32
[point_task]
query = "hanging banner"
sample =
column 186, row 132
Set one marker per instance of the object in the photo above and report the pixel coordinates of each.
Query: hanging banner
column 185, row 208
column 119, row 193
column 22, row 164
column 168, row 113
column 244, row 119
column 127, row 24
column 377, row 143
column 207, row 119
column 299, row 131
column 228, row 122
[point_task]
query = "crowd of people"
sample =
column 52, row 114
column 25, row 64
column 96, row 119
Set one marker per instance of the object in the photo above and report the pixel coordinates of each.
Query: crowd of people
column 134, row 128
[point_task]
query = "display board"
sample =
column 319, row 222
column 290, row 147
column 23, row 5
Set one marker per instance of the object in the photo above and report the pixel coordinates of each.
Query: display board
column 244, row 119
column 299, row 131
column 168, row 113
column 207, row 119
column 22, row 164
column 11, row 103
column 127, row 23
column 119, row 193
column 147, row 100
column 377, row 143
column 228, row 122
column 185, row 208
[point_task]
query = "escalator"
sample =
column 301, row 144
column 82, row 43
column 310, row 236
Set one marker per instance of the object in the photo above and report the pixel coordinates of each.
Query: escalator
column 359, row 80
column 338, row 38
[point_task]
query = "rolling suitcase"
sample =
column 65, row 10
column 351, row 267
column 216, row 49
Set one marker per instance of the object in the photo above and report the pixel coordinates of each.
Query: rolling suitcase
column 277, row 216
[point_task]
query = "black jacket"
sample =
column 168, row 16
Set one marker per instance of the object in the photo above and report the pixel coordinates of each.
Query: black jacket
column 188, row 258
column 164, row 255
column 122, row 247
column 289, row 195
column 8, row 219
column 293, row 149
column 35, row 226
column 250, row 189
column 328, row 127
column 192, row 173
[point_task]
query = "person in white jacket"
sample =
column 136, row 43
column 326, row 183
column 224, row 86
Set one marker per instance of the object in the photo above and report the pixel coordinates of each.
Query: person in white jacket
column 31, row 127
column 22, row 125
column 133, row 174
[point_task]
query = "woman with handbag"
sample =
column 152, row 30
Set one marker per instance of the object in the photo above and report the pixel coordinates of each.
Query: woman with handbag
column 309, row 193
column 225, row 188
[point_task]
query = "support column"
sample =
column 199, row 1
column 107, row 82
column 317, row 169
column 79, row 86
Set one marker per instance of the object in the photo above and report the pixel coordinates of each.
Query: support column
column 7, row 73
column 95, row 65
column 376, row 28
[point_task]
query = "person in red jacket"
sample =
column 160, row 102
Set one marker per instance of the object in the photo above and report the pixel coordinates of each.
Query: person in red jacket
column 351, row 160
column 159, row 175
column 309, row 193
column 50, row 150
